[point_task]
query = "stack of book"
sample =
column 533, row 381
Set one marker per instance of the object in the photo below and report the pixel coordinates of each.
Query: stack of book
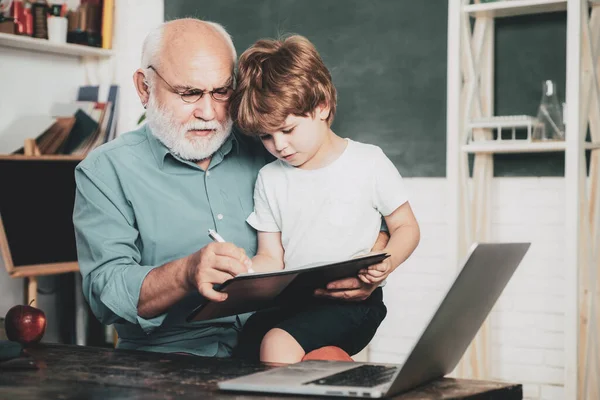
column 91, row 122
column 89, row 22
column 71, row 129
column 92, row 23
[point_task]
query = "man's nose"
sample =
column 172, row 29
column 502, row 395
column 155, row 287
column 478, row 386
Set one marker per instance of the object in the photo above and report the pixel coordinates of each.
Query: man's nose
column 205, row 108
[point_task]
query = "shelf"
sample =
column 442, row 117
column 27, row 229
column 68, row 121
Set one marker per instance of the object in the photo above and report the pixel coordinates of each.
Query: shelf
column 43, row 157
column 503, row 122
column 511, row 8
column 43, row 45
column 509, row 146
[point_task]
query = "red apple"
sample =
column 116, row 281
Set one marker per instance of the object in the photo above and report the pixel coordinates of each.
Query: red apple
column 25, row 324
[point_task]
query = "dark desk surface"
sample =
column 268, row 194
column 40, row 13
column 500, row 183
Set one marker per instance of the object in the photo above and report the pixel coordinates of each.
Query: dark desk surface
column 74, row 372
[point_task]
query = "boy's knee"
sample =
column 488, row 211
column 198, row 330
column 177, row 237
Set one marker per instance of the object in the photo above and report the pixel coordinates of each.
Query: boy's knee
column 278, row 337
column 280, row 346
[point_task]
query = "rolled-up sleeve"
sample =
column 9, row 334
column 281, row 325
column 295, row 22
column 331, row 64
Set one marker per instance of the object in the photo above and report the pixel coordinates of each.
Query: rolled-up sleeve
column 109, row 259
column 263, row 218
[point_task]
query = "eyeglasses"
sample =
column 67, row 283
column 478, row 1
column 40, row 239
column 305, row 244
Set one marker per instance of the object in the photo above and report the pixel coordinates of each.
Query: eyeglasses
column 193, row 95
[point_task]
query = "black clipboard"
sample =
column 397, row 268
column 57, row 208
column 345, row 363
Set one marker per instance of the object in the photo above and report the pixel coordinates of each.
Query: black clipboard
column 255, row 291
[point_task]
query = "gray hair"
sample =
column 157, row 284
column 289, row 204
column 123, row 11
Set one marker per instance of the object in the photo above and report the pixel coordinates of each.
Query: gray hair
column 153, row 44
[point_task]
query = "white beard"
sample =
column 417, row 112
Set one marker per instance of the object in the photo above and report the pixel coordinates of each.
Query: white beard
column 173, row 135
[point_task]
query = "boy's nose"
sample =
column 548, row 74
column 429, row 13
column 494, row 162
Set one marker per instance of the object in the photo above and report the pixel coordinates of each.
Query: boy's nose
column 280, row 142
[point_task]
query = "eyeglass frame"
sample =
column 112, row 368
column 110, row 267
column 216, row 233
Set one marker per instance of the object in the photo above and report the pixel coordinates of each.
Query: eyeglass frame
column 200, row 93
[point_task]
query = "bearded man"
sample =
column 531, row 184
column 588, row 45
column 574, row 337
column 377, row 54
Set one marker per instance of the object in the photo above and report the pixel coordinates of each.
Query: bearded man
column 145, row 201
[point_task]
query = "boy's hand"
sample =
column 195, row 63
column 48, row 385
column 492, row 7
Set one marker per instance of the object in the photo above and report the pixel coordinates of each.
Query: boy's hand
column 376, row 273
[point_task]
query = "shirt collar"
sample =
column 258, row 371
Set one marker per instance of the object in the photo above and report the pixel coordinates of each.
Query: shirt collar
column 160, row 151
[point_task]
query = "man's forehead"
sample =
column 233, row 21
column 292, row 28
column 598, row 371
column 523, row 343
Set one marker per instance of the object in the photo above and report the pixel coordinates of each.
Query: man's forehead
column 200, row 70
column 196, row 55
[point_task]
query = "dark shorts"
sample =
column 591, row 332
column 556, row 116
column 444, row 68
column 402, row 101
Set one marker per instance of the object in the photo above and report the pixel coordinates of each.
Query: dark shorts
column 348, row 325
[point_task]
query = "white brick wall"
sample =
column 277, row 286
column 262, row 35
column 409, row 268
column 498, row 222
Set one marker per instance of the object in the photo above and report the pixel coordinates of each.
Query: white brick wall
column 527, row 322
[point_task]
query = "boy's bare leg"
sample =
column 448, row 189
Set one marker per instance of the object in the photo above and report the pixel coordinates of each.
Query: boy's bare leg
column 278, row 346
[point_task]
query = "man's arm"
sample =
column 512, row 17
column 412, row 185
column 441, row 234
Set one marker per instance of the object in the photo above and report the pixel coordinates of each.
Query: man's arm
column 115, row 283
column 163, row 287
column 169, row 283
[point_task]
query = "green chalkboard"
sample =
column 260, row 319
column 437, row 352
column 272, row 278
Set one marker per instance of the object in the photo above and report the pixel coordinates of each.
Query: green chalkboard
column 388, row 62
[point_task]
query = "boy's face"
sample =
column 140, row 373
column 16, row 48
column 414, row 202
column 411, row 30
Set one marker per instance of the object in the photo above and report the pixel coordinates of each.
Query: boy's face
column 299, row 140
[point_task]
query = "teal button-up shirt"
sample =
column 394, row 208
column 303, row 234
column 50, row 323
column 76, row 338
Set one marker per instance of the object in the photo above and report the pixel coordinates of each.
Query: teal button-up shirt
column 138, row 207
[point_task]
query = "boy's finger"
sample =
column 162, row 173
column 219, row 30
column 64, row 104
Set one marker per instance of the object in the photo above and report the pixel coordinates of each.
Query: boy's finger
column 376, row 273
column 364, row 278
column 377, row 267
column 376, row 279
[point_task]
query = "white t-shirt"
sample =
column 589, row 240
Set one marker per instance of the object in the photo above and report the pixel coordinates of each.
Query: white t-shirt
column 328, row 214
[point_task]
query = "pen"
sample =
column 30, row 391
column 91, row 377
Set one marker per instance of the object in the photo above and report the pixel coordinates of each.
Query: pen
column 218, row 238
column 215, row 236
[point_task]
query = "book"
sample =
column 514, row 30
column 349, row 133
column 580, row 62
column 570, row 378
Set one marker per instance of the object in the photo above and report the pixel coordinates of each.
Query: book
column 84, row 127
column 107, row 23
column 88, row 93
column 93, row 93
column 113, row 99
column 54, row 137
column 259, row 290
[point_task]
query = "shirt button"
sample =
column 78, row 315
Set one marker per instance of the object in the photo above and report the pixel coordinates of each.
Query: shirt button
column 207, row 173
column 220, row 216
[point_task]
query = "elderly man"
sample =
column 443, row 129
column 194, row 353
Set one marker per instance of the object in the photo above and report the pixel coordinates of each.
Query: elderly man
column 145, row 200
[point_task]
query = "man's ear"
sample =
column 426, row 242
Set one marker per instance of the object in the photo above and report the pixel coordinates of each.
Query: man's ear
column 141, row 86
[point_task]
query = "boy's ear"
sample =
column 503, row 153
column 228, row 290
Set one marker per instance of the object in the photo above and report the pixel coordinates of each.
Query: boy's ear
column 323, row 111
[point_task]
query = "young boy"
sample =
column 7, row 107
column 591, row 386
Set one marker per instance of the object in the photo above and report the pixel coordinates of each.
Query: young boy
column 321, row 200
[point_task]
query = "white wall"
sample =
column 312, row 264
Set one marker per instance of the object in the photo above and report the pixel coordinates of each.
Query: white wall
column 32, row 81
column 527, row 323
column 134, row 19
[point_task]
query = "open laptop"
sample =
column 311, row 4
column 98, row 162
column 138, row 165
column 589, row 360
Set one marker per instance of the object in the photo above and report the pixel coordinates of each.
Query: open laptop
column 485, row 273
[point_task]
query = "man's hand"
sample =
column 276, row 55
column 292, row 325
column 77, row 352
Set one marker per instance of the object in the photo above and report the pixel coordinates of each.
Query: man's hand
column 214, row 264
column 349, row 289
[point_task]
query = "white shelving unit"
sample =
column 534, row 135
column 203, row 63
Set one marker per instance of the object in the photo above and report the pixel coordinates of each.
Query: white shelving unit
column 514, row 8
column 43, row 45
column 515, row 146
column 470, row 98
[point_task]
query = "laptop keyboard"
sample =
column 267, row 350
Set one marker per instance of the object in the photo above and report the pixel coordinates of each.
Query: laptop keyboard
column 363, row 376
